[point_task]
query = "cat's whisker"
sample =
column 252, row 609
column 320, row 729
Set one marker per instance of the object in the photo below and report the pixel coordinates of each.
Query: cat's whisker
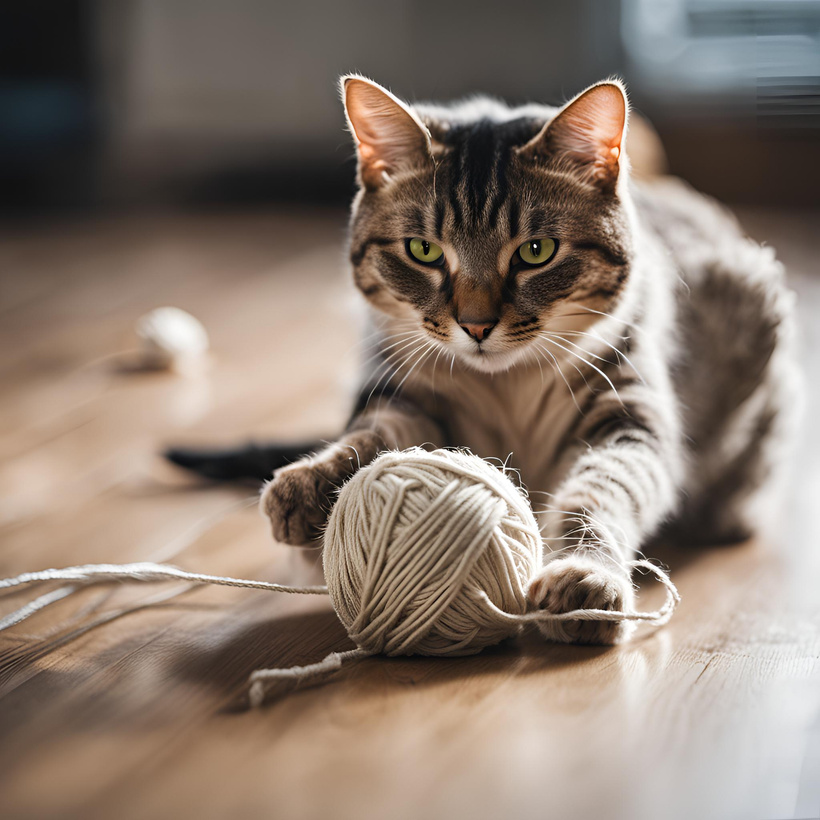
column 577, row 369
column 586, row 519
column 416, row 332
column 375, row 340
column 416, row 356
column 589, row 364
column 381, row 350
column 557, row 367
column 577, row 346
column 388, row 367
column 606, row 315
column 386, row 371
column 433, row 378
column 530, row 354
column 593, row 333
column 619, row 353
column 395, row 367
column 431, row 345
column 420, row 345
column 555, row 360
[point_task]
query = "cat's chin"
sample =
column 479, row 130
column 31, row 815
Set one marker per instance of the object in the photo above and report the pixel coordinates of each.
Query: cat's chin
column 492, row 362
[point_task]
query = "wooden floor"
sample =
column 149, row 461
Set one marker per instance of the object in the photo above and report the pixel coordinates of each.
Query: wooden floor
column 716, row 715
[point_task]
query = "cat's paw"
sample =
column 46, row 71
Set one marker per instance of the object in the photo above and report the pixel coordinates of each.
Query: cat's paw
column 297, row 501
column 578, row 582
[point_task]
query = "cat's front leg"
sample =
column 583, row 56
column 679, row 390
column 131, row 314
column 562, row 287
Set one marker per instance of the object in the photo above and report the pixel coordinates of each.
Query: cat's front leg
column 615, row 494
column 298, row 498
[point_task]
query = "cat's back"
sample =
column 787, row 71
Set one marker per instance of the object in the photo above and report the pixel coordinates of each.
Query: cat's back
column 695, row 228
column 733, row 367
column 731, row 296
column 729, row 285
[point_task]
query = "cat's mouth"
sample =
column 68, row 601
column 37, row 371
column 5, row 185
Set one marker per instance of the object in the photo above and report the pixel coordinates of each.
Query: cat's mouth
column 490, row 360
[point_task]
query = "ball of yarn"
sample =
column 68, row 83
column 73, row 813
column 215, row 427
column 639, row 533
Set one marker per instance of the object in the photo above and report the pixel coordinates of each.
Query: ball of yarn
column 429, row 553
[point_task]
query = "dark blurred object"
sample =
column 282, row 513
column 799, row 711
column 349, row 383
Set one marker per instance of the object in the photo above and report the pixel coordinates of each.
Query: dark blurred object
column 235, row 101
column 49, row 132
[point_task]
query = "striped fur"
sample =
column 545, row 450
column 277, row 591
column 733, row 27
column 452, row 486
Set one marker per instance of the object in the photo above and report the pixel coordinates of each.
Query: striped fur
column 637, row 380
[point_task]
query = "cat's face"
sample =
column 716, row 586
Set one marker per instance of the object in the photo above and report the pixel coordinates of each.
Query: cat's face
column 484, row 234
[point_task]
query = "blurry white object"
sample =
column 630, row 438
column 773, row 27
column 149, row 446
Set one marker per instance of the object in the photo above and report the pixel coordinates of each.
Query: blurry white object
column 172, row 338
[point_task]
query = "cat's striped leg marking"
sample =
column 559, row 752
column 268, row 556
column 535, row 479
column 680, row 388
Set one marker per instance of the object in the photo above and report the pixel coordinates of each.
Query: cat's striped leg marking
column 298, row 498
column 615, row 494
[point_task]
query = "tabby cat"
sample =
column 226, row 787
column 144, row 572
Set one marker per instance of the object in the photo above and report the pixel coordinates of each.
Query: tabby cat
column 621, row 344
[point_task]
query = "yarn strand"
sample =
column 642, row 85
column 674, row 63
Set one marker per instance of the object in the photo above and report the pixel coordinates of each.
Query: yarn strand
column 657, row 618
column 263, row 682
column 148, row 572
column 144, row 571
column 33, row 607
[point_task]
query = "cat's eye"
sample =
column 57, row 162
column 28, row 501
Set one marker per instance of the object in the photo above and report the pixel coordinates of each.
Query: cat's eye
column 428, row 253
column 537, row 251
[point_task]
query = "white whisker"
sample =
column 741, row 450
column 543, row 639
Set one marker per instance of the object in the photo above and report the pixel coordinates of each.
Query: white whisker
column 427, row 351
column 588, row 363
column 388, row 368
column 561, row 374
column 599, row 338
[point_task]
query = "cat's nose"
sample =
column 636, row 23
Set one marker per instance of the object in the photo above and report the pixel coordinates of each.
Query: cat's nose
column 478, row 330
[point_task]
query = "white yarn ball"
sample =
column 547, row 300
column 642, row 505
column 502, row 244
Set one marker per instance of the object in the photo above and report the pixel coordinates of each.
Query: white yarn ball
column 428, row 552
column 171, row 336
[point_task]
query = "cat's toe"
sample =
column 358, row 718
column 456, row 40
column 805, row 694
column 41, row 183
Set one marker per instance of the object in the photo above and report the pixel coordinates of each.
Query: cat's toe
column 297, row 502
column 578, row 582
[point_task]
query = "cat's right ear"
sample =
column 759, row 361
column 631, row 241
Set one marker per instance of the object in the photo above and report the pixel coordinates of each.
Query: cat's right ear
column 389, row 135
column 587, row 135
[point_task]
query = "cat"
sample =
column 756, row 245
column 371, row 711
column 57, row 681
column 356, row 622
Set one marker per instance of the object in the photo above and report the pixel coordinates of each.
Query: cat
column 622, row 345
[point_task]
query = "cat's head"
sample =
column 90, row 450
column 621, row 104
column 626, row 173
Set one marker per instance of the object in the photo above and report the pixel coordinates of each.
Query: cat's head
column 482, row 226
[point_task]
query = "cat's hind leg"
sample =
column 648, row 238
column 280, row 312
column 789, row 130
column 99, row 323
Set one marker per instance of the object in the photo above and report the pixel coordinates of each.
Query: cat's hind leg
column 740, row 391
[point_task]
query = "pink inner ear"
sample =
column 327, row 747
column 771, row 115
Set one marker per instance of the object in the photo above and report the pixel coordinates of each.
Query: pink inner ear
column 592, row 127
column 386, row 131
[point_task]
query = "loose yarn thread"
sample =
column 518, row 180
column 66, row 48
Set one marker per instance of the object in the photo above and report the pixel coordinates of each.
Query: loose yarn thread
column 425, row 553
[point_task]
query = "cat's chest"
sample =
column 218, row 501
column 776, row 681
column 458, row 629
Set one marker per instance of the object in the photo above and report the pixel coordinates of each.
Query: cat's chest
column 523, row 415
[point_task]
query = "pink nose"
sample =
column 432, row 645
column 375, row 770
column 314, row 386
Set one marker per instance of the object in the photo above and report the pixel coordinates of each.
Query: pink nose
column 478, row 330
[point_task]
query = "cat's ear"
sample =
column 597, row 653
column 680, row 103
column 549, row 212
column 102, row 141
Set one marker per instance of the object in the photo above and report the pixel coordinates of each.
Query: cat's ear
column 588, row 133
column 389, row 135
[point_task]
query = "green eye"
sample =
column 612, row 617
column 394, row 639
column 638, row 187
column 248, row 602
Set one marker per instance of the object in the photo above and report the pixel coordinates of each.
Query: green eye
column 537, row 251
column 428, row 253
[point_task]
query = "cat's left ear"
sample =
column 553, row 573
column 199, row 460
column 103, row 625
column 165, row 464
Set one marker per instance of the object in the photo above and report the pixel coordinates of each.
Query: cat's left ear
column 389, row 135
column 588, row 133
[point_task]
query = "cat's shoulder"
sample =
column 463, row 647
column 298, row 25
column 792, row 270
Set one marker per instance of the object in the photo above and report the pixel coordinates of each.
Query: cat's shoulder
column 681, row 215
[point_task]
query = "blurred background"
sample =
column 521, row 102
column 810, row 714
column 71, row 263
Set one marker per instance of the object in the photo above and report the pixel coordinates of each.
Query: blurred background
column 234, row 102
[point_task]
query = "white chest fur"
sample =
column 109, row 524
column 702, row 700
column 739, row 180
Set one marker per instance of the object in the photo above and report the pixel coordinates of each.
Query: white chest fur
column 525, row 412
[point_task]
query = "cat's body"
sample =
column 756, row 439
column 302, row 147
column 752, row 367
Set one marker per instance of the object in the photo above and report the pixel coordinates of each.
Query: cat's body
column 636, row 372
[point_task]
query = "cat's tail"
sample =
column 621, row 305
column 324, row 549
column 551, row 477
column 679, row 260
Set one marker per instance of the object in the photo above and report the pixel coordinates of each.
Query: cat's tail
column 249, row 462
